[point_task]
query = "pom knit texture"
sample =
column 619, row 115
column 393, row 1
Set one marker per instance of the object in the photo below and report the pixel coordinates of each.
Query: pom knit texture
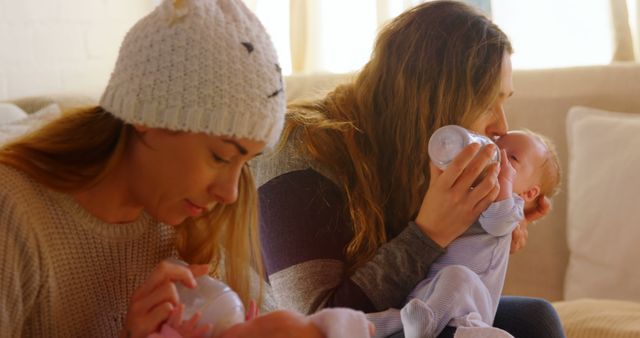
column 199, row 66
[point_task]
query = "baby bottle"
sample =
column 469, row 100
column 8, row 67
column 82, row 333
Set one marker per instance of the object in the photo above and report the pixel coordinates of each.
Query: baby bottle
column 448, row 141
column 218, row 304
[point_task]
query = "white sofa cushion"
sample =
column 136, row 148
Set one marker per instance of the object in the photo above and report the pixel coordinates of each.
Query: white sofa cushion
column 10, row 112
column 16, row 128
column 603, row 225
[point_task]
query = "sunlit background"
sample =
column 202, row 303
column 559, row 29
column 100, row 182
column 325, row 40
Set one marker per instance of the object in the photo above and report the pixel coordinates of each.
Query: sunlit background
column 61, row 46
column 337, row 35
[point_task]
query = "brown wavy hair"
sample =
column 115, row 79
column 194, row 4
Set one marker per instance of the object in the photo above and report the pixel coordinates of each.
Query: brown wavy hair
column 78, row 149
column 436, row 64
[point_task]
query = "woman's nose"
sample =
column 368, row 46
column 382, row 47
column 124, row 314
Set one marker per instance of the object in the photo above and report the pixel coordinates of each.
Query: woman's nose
column 224, row 188
column 498, row 125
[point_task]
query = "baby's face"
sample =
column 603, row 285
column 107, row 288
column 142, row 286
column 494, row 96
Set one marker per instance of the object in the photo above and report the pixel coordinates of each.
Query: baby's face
column 526, row 154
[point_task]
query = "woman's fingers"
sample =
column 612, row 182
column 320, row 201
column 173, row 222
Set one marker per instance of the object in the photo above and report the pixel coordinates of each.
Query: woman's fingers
column 146, row 314
column 165, row 293
column 165, row 271
column 475, row 168
column 450, row 204
column 484, row 194
column 459, row 164
column 158, row 315
column 519, row 237
column 176, row 316
column 156, row 301
column 143, row 325
column 543, row 207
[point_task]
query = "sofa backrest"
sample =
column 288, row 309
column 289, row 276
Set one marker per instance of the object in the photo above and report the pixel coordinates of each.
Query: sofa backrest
column 542, row 101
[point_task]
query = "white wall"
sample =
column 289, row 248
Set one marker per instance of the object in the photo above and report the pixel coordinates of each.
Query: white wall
column 62, row 46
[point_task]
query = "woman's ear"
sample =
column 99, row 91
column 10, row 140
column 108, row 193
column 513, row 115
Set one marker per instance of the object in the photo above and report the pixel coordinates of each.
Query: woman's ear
column 531, row 194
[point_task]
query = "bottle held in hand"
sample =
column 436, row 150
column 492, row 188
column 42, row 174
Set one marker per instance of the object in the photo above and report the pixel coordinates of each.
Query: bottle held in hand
column 447, row 142
column 218, row 304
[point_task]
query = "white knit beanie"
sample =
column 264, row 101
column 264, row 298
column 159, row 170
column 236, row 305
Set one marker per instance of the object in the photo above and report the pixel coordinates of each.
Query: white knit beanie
column 199, row 66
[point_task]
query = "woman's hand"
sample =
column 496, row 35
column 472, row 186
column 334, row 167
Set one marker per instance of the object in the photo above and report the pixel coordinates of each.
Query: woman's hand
column 153, row 302
column 188, row 328
column 521, row 233
column 451, row 205
column 277, row 324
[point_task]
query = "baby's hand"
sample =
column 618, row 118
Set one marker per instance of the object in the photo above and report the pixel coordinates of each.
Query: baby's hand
column 505, row 177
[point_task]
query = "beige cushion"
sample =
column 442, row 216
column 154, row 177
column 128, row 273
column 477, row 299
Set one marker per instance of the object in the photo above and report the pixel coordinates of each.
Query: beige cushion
column 10, row 112
column 603, row 227
column 13, row 129
column 33, row 104
column 541, row 102
column 591, row 318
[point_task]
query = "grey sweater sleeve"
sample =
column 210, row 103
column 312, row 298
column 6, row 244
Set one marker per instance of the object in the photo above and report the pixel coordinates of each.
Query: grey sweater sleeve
column 397, row 267
column 304, row 233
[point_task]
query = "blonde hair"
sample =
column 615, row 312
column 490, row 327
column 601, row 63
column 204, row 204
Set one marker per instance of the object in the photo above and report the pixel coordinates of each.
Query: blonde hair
column 436, row 64
column 551, row 172
column 79, row 148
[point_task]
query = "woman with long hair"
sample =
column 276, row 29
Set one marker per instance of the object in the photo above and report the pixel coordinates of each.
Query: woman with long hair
column 352, row 212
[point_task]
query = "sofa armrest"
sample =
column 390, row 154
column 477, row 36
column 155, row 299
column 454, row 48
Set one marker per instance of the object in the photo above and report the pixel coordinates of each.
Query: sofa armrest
column 32, row 104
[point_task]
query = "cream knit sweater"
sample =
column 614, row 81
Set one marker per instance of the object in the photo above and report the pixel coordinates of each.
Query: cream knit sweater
column 63, row 272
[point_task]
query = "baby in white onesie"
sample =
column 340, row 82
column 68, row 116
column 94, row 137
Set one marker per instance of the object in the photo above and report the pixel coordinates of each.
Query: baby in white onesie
column 463, row 287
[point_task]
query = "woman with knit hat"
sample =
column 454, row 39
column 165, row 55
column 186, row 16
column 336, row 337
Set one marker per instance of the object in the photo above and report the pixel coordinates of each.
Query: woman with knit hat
column 94, row 202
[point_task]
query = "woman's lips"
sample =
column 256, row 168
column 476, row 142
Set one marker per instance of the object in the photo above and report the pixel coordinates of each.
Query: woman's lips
column 193, row 209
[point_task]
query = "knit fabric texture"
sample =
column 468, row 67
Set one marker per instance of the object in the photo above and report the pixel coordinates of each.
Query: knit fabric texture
column 199, row 66
column 66, row 273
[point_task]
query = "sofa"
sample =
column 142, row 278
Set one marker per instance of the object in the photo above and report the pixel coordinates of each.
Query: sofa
column 581, row 256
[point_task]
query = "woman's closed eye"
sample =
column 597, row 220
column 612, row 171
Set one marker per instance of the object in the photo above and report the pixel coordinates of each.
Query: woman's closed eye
column 218, row 159
column 513, row 157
